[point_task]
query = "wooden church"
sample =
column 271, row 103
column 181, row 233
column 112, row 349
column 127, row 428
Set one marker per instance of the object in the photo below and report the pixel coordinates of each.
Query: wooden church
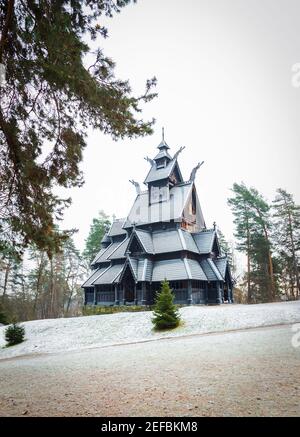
column 164, row 236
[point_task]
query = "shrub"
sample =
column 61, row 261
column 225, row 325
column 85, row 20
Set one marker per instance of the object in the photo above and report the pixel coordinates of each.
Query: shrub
column 166, row 315
column 98, row 309
column 14, row 334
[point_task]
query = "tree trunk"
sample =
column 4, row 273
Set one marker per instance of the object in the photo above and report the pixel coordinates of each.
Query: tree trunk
column 295, row 263
column 7, row 270
column 272, row 291
column 249, row 294
column 38, row 283
column 52, row 298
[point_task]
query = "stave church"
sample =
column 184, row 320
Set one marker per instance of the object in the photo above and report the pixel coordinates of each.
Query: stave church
column 164, row 236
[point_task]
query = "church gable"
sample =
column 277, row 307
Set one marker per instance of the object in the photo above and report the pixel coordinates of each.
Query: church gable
column 135, row 246
column 192, row 217
column 175, row 176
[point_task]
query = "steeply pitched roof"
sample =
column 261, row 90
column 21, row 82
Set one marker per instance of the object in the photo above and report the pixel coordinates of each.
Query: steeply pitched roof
column 94, row 275
column 156, row 174
column 106, row 239
column 221, row 264
column 171, row 269
column 145, row 239
column 110, row 275
column 210, row 270
column 119, row 252
column 166, row 241
column 162, row 154
column 107, row 254
column 205, row 240
column 99, row 254
column 116, row 228
column 172, row 209
column 194, row 270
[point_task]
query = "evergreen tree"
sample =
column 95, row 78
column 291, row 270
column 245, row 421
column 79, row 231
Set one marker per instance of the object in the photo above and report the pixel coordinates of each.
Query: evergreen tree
column 14, row 334
column 286, row 216
column 253, row 232
column 166, row 315
column 227, row 249
column 224, row 246
column 98, row 228
column 49, row 99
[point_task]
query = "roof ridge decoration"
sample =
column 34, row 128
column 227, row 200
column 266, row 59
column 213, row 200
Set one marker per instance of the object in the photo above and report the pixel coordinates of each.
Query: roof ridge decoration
column 178, row 152
column 194, row 171
column 136, row 185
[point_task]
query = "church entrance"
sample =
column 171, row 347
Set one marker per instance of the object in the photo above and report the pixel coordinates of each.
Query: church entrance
column 129, row 291
column 128, row 286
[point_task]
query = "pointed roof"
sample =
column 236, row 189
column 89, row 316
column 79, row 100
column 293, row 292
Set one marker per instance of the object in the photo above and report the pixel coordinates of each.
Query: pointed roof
column 157, row 174
column 94, row 275
column 163, row 153
column 110, row 275
column 163, row 150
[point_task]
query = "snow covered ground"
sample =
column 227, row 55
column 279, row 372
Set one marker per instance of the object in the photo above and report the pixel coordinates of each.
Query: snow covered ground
column 60, row 335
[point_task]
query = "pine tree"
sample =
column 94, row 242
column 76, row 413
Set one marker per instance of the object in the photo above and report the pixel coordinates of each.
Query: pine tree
column 227, row 249
column 166, row 315
column 49, row 99
column 286, row 216
column 98, row 228
column 253, row 232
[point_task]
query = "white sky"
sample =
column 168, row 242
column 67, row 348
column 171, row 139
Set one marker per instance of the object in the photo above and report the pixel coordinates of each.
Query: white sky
column 224, row 84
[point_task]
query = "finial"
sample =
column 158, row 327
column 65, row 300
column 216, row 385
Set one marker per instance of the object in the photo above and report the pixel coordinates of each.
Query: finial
column 178, row 151
column 194, row 171
column 151, row 161
column 137, row 186
column 163, row 134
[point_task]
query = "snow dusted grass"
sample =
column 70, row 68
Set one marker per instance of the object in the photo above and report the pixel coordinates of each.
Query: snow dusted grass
column 60, row 335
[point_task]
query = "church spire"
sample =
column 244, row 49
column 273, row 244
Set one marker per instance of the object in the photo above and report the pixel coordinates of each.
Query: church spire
column 163, row 146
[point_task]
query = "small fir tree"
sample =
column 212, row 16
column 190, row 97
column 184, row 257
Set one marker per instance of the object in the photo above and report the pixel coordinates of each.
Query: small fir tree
column 166, row 315
column 14, row 334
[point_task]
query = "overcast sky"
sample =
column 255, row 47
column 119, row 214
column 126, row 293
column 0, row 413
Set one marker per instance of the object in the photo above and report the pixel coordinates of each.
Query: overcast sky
column 224, row 70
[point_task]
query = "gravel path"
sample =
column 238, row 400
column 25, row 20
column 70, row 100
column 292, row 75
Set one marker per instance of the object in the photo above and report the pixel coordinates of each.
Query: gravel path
column 254, row 372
